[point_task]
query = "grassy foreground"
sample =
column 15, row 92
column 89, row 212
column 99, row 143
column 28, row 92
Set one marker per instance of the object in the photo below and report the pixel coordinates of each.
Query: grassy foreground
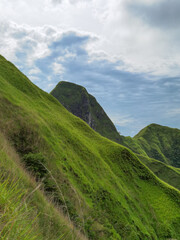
column 69, row 178
column 25, row 212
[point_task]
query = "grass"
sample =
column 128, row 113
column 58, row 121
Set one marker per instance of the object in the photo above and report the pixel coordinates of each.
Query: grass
column 161, row 143
column 108, row 192
column 16, row 221
column 25, row 212
column 167, row 173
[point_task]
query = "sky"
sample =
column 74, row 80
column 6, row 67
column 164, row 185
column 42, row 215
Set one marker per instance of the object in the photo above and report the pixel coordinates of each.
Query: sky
column 125, row 52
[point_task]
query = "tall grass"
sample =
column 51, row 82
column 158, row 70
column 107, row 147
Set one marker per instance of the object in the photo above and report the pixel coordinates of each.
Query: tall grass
column 17, row 221
column 25, row 213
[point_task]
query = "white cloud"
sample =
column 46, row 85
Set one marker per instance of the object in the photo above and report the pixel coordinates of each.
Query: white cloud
column 140, row 45
column 34, row 70
column 34, row 78
column 173, row 112
column 57, row 1
column 122, row 120
column 58, row 69
column 70, row 1
column 49, row 86
column 23, row 38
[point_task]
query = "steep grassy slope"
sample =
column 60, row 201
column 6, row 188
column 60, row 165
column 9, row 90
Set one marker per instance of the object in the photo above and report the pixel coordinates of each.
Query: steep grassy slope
column 167, row 173
column 101, row 186
column 78, row 101
column 154, row 141
column 161, row 143
column 25, row 211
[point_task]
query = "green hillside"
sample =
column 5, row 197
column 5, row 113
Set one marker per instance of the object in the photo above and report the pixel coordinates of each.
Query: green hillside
column 167, row 173
column 69, row 178
column 154, row 141
column 148, row 142
column 25, row 211
column 161, row 143
column 78, row 101
column 164, row 171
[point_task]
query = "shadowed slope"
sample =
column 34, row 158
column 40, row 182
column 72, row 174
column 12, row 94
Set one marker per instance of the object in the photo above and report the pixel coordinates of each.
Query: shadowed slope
column 78, row 101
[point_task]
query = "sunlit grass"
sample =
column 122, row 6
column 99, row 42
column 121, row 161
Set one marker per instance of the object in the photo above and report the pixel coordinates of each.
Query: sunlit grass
column 103, row 185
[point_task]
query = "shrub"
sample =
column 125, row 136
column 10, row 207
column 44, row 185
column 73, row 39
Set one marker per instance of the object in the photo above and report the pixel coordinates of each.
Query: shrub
column 34, row 163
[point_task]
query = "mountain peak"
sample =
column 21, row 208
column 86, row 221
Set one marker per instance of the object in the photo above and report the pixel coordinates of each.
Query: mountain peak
column 78, row 101
column 69, row 84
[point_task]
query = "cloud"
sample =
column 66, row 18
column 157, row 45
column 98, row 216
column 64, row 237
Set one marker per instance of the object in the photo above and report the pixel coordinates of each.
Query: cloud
column 57, row 1
column 122, row 121
column 58, row 68
column 173, row 112
column 48, row 55
column 34, row 71
column 45, row 51
column 24, row 40
column 70, row 1
column 70, row 39
column 142, row 34
column 163, row 14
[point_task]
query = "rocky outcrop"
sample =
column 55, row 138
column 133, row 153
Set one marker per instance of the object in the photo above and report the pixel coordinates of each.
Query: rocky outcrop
column 78, row 101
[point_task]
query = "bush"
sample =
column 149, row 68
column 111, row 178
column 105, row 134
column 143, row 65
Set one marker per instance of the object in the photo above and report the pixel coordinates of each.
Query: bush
column 34, row 163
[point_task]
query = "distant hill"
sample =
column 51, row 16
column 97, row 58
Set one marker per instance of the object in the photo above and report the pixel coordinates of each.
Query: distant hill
column 59, row 179
column 161, row 143
column 162, row 168
column 79, row 102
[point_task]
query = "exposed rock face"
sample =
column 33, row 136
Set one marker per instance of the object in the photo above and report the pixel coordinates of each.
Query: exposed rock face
column 78, row 101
